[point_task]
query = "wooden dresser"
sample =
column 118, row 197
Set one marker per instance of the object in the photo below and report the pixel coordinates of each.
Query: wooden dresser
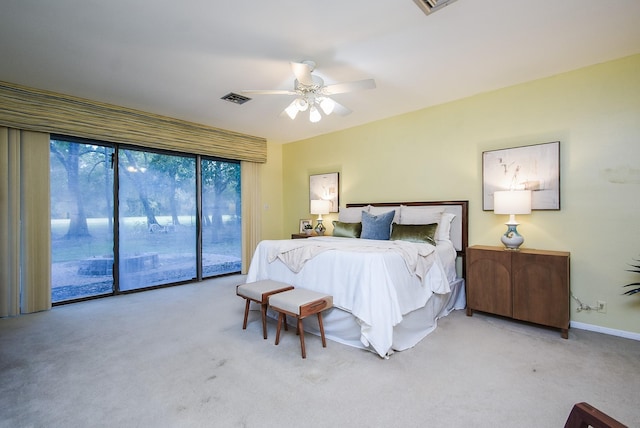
column 527, row 285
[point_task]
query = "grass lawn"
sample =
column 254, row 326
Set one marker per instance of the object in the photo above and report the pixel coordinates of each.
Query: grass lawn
column 175, row 250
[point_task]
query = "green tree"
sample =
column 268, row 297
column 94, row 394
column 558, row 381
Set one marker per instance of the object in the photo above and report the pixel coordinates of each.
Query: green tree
column 221, row 183
column 178, row 171
column 134, row 169
column 68, row 154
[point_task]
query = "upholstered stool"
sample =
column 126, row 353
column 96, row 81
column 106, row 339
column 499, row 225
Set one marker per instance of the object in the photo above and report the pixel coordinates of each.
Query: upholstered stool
column 259, row 292
column 300, row 303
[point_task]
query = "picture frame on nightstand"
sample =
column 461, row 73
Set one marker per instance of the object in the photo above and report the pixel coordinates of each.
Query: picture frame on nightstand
column 303, row 223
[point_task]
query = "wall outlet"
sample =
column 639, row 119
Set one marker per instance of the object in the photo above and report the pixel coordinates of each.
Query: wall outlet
column 602, row 307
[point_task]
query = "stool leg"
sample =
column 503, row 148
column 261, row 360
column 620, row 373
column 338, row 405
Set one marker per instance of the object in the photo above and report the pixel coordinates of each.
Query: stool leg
column 301, row 332
column 263, row 309
column 246, row 314
column 324, row 342
column 280, row 315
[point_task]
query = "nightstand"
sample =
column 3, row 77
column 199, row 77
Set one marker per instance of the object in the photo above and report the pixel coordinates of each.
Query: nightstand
column 302, row 235
column 527, row 285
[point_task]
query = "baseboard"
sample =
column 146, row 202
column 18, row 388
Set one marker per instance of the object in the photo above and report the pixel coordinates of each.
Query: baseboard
column 605, row 330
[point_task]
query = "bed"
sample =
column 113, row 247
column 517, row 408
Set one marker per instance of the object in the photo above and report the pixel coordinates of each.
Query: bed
column 388, row 293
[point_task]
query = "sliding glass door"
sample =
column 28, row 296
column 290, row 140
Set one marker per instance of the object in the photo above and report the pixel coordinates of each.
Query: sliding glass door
column 221, row 217
column 158, row 226
column 163, row 234
column 81, row 220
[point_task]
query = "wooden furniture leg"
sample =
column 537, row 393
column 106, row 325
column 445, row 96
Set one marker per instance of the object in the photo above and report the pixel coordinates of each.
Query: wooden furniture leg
column 584, row 415
column 259, row 292
column 301, row 333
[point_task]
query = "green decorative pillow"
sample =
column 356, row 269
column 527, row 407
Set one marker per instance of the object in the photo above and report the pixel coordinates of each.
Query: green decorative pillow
column 346, row 230
column 414, row 232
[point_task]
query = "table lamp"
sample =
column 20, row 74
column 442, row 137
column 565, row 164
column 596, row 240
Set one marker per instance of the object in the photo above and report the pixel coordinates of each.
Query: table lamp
column 319, row 207
column 512, row 202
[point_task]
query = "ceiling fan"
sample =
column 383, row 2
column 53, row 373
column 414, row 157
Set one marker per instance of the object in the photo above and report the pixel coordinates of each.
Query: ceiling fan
column 312, row 94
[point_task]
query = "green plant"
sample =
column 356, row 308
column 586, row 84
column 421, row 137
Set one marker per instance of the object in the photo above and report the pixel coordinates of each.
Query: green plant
column 633, row 284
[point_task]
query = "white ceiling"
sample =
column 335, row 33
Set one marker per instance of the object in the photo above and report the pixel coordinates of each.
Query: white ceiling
column 177, row 58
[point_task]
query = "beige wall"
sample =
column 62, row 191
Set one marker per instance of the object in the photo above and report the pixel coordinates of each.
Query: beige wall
column 272, row 194
column 436, row 153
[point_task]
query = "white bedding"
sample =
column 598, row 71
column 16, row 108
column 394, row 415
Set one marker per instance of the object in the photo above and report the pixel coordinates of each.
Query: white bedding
column 379, row 287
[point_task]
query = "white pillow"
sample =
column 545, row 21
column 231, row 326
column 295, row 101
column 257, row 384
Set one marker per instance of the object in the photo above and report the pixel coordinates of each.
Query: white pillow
column 443, row 232
column 352, row 214
column 420, row 215
column 381, row 210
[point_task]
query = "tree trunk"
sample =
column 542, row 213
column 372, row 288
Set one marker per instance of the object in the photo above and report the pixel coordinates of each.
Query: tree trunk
column 78, row 227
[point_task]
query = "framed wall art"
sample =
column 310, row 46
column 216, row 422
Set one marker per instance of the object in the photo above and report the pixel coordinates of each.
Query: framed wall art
column 535, row 168
column 324, row 186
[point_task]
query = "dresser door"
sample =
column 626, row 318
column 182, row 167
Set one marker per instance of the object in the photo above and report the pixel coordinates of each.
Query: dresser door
column 489, row 281
column 540, row 288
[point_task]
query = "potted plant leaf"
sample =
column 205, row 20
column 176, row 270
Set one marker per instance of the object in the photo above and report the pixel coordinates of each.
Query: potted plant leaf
column 633, row 284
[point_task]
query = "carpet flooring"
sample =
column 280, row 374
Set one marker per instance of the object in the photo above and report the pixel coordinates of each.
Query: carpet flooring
column 178, row 357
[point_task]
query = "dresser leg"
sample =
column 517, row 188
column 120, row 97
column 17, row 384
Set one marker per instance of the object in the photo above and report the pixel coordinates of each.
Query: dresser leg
column 469, row 311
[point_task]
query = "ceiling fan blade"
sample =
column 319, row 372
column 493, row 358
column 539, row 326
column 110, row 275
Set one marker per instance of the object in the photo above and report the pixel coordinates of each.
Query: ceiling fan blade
column 341, row 110
column 358, row 85
column 302, row 71
column 268, row 92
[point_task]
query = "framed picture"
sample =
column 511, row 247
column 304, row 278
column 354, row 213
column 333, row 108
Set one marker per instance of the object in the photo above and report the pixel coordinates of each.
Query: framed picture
column 535, row 168
column 324, row 186
column 303, row 223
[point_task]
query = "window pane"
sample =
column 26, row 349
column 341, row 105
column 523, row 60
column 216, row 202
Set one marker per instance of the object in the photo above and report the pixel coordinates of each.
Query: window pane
column 157, row 195
column 222, row 220
column 81, row 220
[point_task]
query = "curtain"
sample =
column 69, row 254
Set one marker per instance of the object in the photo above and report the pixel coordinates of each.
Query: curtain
column 25, row 228
column 251, row 202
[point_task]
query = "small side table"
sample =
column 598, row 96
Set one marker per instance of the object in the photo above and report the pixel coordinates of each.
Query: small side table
column 302, row 235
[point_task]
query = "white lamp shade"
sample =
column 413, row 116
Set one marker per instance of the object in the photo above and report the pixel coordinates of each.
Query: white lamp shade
column 320, row 206
column 314, row 115
column 327, row 105
column 512, row 202
column 292, row 110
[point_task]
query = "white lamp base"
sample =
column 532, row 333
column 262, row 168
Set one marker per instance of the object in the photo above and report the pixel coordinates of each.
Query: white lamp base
column 511, row 238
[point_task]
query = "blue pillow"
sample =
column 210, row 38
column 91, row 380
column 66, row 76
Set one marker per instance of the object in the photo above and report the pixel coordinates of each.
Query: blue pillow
column 376, row 226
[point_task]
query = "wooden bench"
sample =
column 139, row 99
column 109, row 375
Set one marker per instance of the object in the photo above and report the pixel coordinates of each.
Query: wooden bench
column 259, row 292
column 300, row 303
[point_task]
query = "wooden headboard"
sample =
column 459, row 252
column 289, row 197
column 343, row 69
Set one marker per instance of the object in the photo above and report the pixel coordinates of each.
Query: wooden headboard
column 459, row 225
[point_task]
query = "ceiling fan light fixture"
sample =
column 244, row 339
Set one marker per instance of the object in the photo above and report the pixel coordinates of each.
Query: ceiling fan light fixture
column 301, row 104
column 314, row 114
column 313, row 95
column 327, row 105
column 292, row 110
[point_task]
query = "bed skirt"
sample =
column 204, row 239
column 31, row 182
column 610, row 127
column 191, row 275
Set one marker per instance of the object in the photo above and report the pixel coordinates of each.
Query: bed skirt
column 341, row 326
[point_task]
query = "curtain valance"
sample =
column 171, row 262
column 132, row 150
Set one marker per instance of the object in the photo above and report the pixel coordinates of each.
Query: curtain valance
column 38, row 110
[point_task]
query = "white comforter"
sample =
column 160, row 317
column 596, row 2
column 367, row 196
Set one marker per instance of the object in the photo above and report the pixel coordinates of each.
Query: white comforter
column 377, row 281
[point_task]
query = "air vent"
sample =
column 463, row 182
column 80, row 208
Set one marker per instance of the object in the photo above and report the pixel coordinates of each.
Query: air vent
column 430, row 6
column 235, row 98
